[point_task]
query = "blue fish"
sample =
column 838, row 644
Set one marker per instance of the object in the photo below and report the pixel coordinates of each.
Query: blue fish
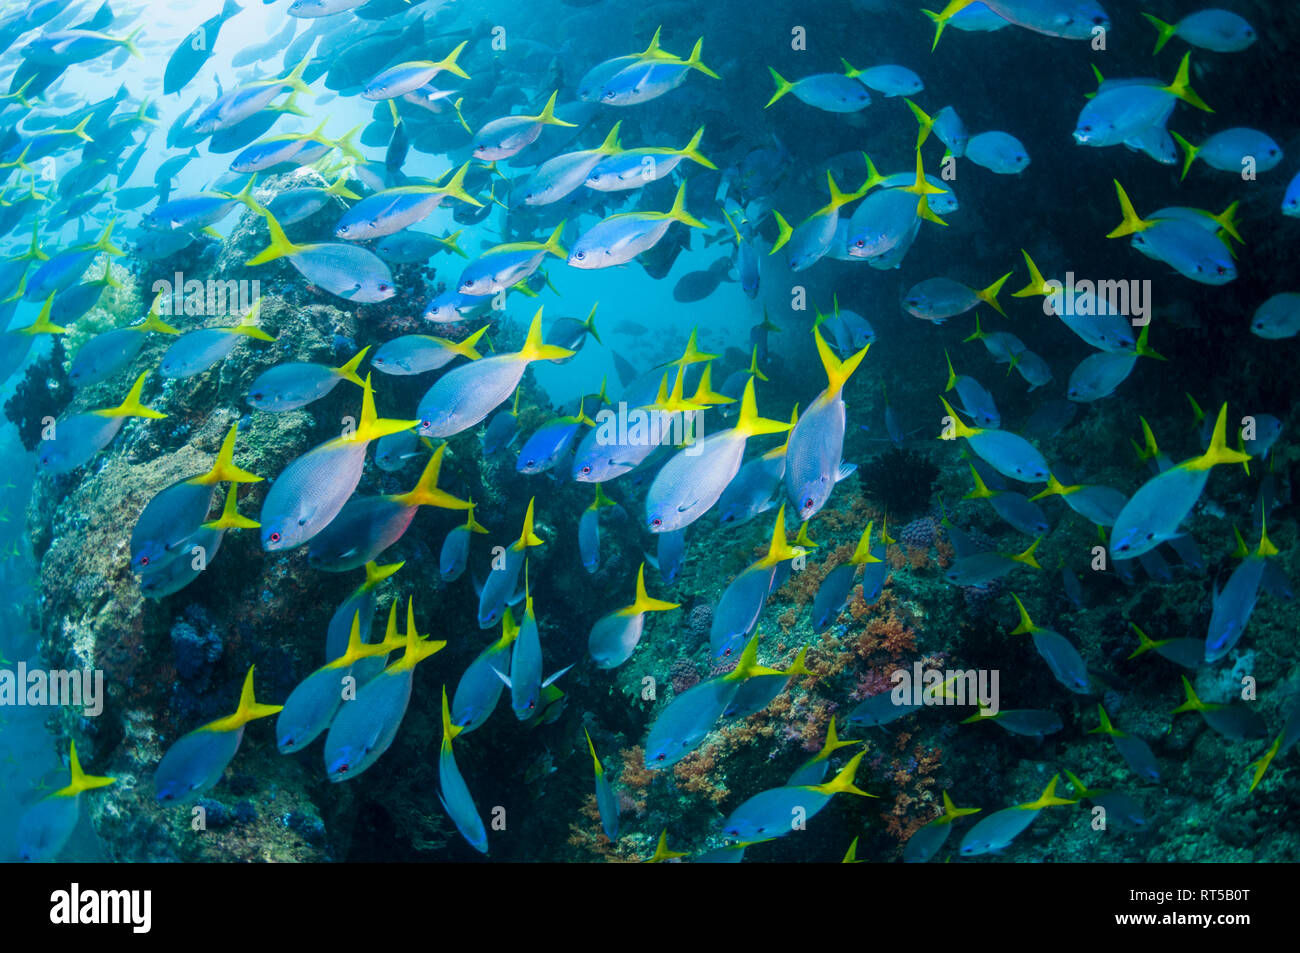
column 197, row 760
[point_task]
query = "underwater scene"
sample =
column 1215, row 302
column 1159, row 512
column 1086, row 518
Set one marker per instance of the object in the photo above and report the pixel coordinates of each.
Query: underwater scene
column 586, row 431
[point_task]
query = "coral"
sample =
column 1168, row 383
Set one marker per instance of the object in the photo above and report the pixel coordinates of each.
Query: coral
column 43, row 393
column 683, row 675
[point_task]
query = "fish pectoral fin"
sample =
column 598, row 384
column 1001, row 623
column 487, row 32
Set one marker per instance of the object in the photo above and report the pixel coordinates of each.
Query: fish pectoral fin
column 503, row 676
column 557, row 675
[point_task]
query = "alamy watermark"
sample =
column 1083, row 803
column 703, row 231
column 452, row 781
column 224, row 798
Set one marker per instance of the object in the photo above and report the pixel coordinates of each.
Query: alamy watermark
column 647, row 427
column 932, row 686
column 212, row 297
column 1083, row 297
column 76, row 688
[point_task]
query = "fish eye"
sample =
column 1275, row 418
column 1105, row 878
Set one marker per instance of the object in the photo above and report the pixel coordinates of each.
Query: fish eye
column 144, row 560
column 656, row 522
column 275, row 537
column 579, row 255
column 425, row 424
column 659, row 757
column 531, row 463
column 860, row 243
column 586, row 470
column 609, row 94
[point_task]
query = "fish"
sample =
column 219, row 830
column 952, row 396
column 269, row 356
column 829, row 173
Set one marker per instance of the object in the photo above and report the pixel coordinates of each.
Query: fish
column 1235, row 603
column 507, row 136
column 650, row 78
column 606, row 800
column 107, row 354
column 1136, row 753
column 453, row 792
column 1098, row 504
column 561, row 175
column 361, row 602
column 1277, row 318
column 998, row 152
column 1060, row 655
column 465, row 395
column 499, row 589
column 619, row 238
column 781, row 810
column 929, row 839
column 736, row 615
column 410, row 354
column 636, row 168
column 1030, row 722
column 681, row 725
column 833, row 594
column 75, row 440
column 1234, row 722
column 196, row 351
column 889, row 80
column 479, row 688
column 311, row 706
column 310, row 491
column 389, row 211
column 502, row 266
column 454, row 555
column 195, row 49
column 1153, row 514
column 347, row 271
column 813, row 771
column 1232, row 150
column 1010, row 454
column 550, row 442
column 364, row 729
column 614, row 637
column 994, row 833
column 290, row 386
column 693, row 479
column 814, row 455
column 571, row 333
column 589, row 531
column 248, row 100
column 176, row 513
column 829, row 92
column 411, row 75
column 368, row 525
column 196, row 761
column 1221, row 31
column 938, row 299
column 43, row 830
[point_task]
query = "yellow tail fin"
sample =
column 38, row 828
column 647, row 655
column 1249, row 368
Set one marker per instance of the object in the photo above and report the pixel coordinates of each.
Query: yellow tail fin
column 131, row 406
